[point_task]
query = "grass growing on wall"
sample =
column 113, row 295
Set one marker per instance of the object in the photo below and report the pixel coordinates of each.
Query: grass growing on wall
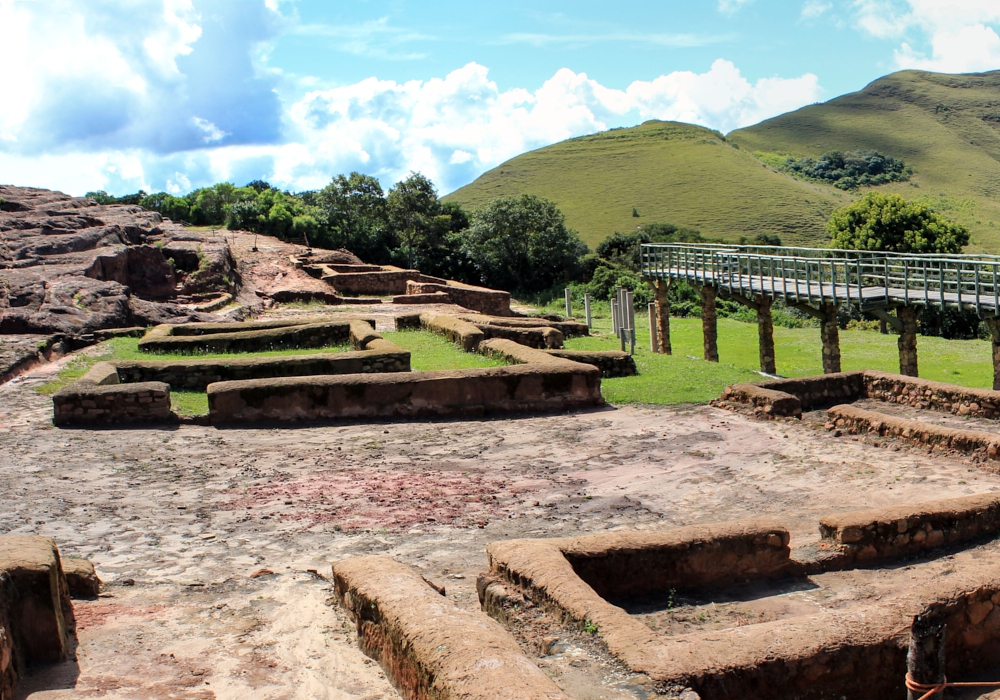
column 680, row 379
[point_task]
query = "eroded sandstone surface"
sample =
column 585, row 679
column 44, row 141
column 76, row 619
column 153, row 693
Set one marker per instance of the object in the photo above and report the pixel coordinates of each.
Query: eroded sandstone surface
column 69, row 265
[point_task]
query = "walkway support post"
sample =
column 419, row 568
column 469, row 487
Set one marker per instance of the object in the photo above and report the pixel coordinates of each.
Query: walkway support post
column 830, row 333
column 765, row 335
column 907, row 342
column 993, row 326
column 709, row 322
column 925, row 663
column 662, row 307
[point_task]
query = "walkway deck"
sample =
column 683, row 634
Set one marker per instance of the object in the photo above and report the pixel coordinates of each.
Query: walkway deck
column 816, row 276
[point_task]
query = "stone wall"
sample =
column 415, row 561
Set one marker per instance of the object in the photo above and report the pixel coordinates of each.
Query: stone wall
column 533, row 337
column 82, row 403
column 429, row 647
column 789, row 397
column 893, row 532
column 569, row 328
column 196, row 375
column 979, row 443
column 534, row 387
column 454, row 329
column 36, row 614
column 860, row 653
column 487, row 301
column 387, row 280
column 435, row 298
column 235, row 338
column 612, row 363
column 934, row 396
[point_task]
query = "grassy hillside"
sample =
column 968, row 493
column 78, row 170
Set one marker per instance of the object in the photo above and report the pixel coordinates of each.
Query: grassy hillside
column 670, row 172
column 947, row 127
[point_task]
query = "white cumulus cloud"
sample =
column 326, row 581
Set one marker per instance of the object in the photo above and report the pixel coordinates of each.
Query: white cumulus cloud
column 960, row 35
column 172, row 94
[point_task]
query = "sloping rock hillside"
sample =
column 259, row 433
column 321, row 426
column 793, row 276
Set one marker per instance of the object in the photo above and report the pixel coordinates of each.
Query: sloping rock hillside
column 69, row 265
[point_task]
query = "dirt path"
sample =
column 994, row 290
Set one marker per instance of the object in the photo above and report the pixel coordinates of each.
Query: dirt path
column 179, row 520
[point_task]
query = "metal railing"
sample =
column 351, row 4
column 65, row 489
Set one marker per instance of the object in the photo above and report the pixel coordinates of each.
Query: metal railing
column 820, row 275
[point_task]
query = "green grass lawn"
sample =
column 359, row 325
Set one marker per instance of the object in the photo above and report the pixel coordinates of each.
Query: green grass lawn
column 429, row 351
column 680, row 379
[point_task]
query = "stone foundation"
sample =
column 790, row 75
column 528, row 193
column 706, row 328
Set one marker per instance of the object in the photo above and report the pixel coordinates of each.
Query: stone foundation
column 36, row 614
column 83, row 403
column 429, row 647
column 492, row 302
column 534, row 387
column 856, row 653
column 978, row 443
column 251, row 337
column 196, row 375
column 890, row 533
column 612, row 363
column 789, row 397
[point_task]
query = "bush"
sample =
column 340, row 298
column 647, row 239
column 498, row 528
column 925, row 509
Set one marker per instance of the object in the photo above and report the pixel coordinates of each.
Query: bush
column 887, row 222
column 848, row 171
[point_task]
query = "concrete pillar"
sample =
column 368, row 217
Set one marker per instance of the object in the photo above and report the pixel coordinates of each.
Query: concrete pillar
column 830, row 332
column 663, row 317
column 907, row 340
column 709, row 323
column 765, row 335
column 993, row 325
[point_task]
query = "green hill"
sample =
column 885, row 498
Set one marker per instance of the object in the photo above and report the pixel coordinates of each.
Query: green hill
column 670, row 172
column 947, row 127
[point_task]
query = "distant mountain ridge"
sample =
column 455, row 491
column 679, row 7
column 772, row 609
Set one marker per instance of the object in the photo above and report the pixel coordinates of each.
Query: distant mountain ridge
column 946, row 127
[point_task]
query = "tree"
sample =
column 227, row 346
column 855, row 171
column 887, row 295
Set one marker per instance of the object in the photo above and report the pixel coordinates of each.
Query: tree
column 521, row 244
column 887, row 222
column 413, row 207
column 355, row 216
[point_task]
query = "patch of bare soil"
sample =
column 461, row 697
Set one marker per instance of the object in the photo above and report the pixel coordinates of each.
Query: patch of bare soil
column 180, row 522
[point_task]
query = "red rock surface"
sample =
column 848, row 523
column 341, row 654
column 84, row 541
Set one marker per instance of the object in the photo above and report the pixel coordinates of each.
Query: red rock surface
column 69, row 265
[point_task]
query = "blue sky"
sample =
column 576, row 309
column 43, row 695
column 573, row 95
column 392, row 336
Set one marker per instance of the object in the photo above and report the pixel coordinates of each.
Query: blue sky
column 176, row 94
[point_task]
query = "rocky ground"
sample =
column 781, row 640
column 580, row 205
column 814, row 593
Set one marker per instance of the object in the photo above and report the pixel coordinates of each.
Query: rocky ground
column 215, row 545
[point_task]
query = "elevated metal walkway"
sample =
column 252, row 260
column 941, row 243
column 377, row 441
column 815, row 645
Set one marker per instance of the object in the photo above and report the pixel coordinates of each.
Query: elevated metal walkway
column 818, row 280
column 817, row 276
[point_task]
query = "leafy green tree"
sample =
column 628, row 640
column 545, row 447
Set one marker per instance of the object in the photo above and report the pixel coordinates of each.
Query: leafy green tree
column 413, row 209
column 354, row 216
column 521, row 244
column 888, row 222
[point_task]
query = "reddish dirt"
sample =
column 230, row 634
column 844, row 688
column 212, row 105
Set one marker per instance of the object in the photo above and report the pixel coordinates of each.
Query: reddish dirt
column 152, row 508
column 381, row 499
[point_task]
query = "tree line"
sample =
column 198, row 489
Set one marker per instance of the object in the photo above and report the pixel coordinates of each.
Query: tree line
column 522, row 244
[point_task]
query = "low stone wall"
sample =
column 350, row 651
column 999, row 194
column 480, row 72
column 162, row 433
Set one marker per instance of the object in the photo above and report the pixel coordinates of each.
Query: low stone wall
column 889, row 533
column 765, row 403
column 454, row 329
column 487, row 301
column 642, row 563
column 778, row 397
column 36, row 614
column 612, row 363
column 196, row 375
column 829, row 654
column 435, row 298
column 534, row 387
column 934, row 396
column 978, row 443
column 569, row 328
column 535, row 337
column 85, row 403
column 429, row 647
column 387, row 280
column 238, row 338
